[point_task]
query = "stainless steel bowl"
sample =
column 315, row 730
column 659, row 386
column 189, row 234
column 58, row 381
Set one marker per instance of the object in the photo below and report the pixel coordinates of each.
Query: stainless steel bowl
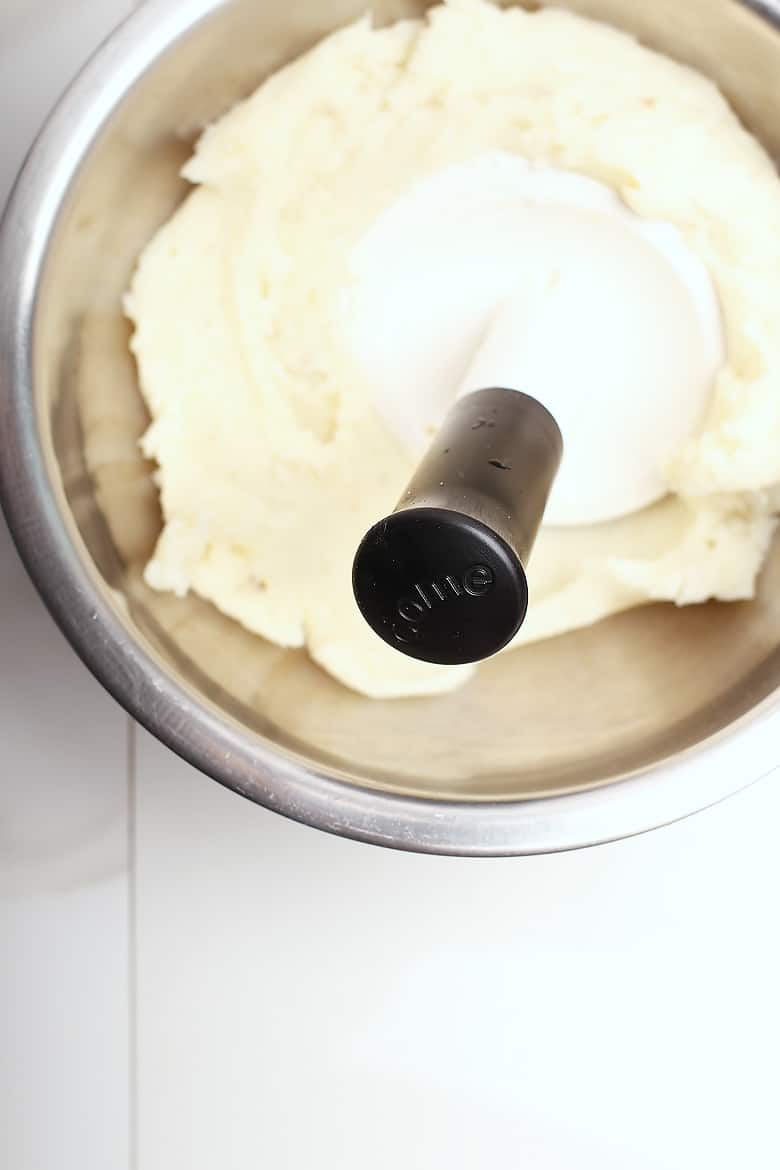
column 585, row 738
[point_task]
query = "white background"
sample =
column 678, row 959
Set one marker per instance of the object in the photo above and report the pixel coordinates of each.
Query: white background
column 190, row 983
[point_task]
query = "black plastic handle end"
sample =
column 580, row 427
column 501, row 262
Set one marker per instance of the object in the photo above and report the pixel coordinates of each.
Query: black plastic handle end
column 439, row 585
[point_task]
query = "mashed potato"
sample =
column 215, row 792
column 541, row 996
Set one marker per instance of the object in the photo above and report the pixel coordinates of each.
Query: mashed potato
column 272, row 460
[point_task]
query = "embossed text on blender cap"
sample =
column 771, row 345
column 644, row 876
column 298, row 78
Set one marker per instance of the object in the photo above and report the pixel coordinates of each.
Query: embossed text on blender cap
column 413, row 607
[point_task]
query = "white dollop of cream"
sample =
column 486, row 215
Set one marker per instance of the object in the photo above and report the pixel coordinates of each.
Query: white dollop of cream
column 500, row 272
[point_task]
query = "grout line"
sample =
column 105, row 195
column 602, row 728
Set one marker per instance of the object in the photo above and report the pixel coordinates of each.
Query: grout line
column 132, row 950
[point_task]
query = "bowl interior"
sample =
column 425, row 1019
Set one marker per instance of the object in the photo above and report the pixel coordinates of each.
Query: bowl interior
column 566, row 714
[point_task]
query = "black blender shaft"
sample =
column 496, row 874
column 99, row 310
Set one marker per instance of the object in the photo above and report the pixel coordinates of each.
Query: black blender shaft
column 442, row 578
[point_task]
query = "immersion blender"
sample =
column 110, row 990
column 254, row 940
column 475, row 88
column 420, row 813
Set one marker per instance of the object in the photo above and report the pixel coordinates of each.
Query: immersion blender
column 443, row 577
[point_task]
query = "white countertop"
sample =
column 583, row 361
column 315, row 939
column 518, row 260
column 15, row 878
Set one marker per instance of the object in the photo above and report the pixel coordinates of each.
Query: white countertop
column 191, row 983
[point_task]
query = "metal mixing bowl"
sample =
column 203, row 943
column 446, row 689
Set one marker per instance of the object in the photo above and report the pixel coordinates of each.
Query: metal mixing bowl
column 584, row 738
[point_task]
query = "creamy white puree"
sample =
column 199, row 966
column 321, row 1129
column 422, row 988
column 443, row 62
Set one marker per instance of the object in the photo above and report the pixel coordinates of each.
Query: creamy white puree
column 273, row 460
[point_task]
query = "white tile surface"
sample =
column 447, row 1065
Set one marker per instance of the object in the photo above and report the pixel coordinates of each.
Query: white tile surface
column 63, row 1029
column 307, row 1001
column 63, row 777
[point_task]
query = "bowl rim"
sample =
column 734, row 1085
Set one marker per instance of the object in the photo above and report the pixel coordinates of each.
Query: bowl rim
column 193, row 727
